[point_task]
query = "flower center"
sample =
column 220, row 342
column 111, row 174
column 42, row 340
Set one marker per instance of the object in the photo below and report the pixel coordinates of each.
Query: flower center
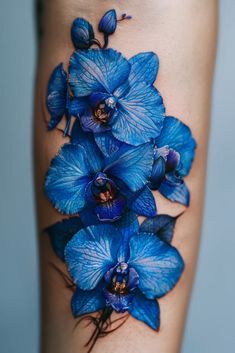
column 120, row 279
column 103, row 111
column 103, row 189
column 101, row 114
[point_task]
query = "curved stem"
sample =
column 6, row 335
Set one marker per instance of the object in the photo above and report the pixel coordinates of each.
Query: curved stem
column 95, row 41
column 106, row 40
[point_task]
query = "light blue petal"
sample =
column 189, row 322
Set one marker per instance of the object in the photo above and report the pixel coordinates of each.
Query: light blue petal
column 139, row 116
column 86, row 302
column 146, row 310
column 144, row 204
column 144, row 68
column 91, row 253
column 67, row 178
column 158, row 264
column 132, row 165
column 178, row 136
column 107, row 143
column 97, row 70
column 175, row 189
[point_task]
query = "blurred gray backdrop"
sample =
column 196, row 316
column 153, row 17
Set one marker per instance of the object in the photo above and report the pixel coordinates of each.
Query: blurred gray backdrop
column 211, row 320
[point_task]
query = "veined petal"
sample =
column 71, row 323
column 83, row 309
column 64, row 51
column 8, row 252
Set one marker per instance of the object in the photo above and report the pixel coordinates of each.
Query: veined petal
column 57, row 95
column 91, row 253
column 67, row 177
column 178, row 136
column 86, row 302
column 132, row 165
column 94, row 156
column 146, row 310
column 175, row 189
column 107, row 143
column 97, row 70
column 144, row 204
column 144, row 68
column 158, row 264
column 139, row 116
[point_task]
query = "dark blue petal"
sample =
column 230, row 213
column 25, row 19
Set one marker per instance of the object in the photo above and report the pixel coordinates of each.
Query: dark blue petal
column 175, row 189
column 91, row 253
column 146, row 310
column 158, row 264
column 158, row 173
column 57, row 95
column 172, row 160
column 77, row 106
column 108, row 22
column 120, row 303
column 88, row 215
column 107, row 143
column 60, row 234
column 90, row 124
column 82, row 34
column 133, row 281
column 144, row 204
column 161, row 225
column 144, row 68
column 178, row 136
column 112, row 210
column 97, row 97
column 132, row 165
column 97, row 71
column 86, row 302
column 139, row 116
column 67, row 178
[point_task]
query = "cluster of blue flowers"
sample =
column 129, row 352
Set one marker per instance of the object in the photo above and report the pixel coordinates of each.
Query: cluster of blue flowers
column 122, row 146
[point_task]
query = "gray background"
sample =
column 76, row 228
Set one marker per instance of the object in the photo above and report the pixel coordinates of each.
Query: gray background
column 211, row 320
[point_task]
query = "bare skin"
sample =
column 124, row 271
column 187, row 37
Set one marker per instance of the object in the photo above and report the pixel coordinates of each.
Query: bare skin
column 183, row 34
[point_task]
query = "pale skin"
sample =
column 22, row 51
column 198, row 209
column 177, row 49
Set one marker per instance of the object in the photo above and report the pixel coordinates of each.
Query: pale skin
column 183, row 34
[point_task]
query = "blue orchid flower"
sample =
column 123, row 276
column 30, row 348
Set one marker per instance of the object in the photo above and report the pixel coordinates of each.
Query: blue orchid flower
column 59, row 101
column 81, row 179
column 174, row 154
column 123, row 269
column 122, row 103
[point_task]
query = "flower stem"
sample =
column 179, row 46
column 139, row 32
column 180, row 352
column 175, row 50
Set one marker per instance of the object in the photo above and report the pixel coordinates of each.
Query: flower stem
column 106, row 40
column 96, row 42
